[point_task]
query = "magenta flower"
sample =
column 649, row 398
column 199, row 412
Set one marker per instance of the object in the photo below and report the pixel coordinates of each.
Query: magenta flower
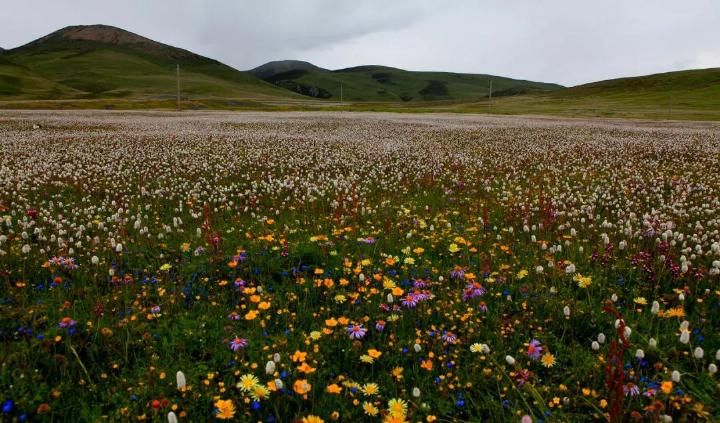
column 356, row 331
column 534, row 349
column 238, row 343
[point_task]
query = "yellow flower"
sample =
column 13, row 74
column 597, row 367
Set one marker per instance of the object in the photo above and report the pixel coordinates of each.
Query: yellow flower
column 453, row 248
column 640, row 300
column 548, row 360
column 370, row 389
column 225, row 409
column 370, row 409
column 583, row 281
column 166, row 267
column 185, row 247
column 247, row 382
column 397, row 407
column 312, row 419
column 521, row 274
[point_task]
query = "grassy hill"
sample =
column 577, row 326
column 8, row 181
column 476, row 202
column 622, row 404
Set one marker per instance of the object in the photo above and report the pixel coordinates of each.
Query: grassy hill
column 98, row 61
column 690, row 94
column 382, row 83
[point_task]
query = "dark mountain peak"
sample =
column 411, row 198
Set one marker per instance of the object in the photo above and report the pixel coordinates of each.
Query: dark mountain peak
column 276, row 67
column 83, row 37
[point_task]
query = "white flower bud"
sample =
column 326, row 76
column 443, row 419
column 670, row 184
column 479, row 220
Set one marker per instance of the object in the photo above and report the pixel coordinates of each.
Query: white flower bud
column 417, row 348
column 276, row 357
column 172, row 418
column 416, row 392
column 712, row 368
column 118, row 248
column 675, row 376
column 180, row 379
column 270, row 367
column 652, row 342
column 639, row 354
column 698, row 353
column 655, row 307
column 510, row 360
column 566, row 311
column 595, row 346
column 94, row 260
column 685, row 337
column 390, row 298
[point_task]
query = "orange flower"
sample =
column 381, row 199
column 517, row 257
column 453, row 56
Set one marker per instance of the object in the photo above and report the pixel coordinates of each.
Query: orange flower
column 374, row 353
column 301, row 386
column 333, row 389
column 666, row 387
column 331, row 322
column 232, row 264
column 305, row 368
column 264, row 305
column 299, row 356
column 250, row 315
column 427, row 365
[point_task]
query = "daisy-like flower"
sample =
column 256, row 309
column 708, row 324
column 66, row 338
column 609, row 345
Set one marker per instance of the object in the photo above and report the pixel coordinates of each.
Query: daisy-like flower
column 238, row 343
column 397, row 407
column 370, row 409
column 259, row 392
column 312, row 419
column 548, row 360
column 356, row 331
column 247, row 383
column 370, row 389
column 534, row 349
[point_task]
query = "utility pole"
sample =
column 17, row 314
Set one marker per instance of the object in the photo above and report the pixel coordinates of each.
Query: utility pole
column 341, row 93
column 490, row 95
column 178, row 85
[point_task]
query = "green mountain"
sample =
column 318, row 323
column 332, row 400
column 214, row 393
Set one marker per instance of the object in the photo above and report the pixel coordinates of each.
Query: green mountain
column 382, row 83
column 100, row 61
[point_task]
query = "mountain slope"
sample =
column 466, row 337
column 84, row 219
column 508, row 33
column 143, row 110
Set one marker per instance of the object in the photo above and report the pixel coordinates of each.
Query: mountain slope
column 382, row 83
column 100, row 61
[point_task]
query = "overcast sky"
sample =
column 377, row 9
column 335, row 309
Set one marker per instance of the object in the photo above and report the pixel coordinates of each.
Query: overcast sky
column 564, row 41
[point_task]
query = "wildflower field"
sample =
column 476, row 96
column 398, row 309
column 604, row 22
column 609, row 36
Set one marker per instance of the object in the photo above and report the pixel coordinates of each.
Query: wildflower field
column 357, row 267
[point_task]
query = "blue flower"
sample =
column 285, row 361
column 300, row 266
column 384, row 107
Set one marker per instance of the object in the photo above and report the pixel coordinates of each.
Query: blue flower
column 8, row 406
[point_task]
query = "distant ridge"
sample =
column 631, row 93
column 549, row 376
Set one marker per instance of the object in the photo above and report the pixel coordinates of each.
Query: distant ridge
column 385, row 83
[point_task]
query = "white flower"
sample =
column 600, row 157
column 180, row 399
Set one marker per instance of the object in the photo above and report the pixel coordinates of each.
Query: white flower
column 94, row 260
column 675, row 376
column 417, row 348
column 570, row 269
column 712, row 368
column 655, row 307
column 717, row 355
column 118, row 248
column 510, row 360
column 416, row 392
column 270, row 367
column 278, row 383
column 566, row 311
column 390, row 298
column 539, row 270
column 652, row 342
column 276, row 357
column 698, row 353
column 180, row 378
column 666, row 418
column 614, row 298
column 685, row 336
column 627, row 332
column 639, row 354
column 601, row 338
column 172, row 418
column 595, row 346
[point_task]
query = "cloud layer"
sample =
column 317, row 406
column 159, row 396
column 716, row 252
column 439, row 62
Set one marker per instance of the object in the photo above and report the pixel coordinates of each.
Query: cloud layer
column 563, row 41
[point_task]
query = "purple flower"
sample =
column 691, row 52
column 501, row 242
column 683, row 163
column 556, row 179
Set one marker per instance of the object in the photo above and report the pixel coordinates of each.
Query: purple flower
column 449, row 337
column 239, row 283
column 238, row 343
column 380, row 325
column 473, row 290
column 155, row 309
column 409, row 301
column 356, row 331
column 534, row 349
column 457, row 273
